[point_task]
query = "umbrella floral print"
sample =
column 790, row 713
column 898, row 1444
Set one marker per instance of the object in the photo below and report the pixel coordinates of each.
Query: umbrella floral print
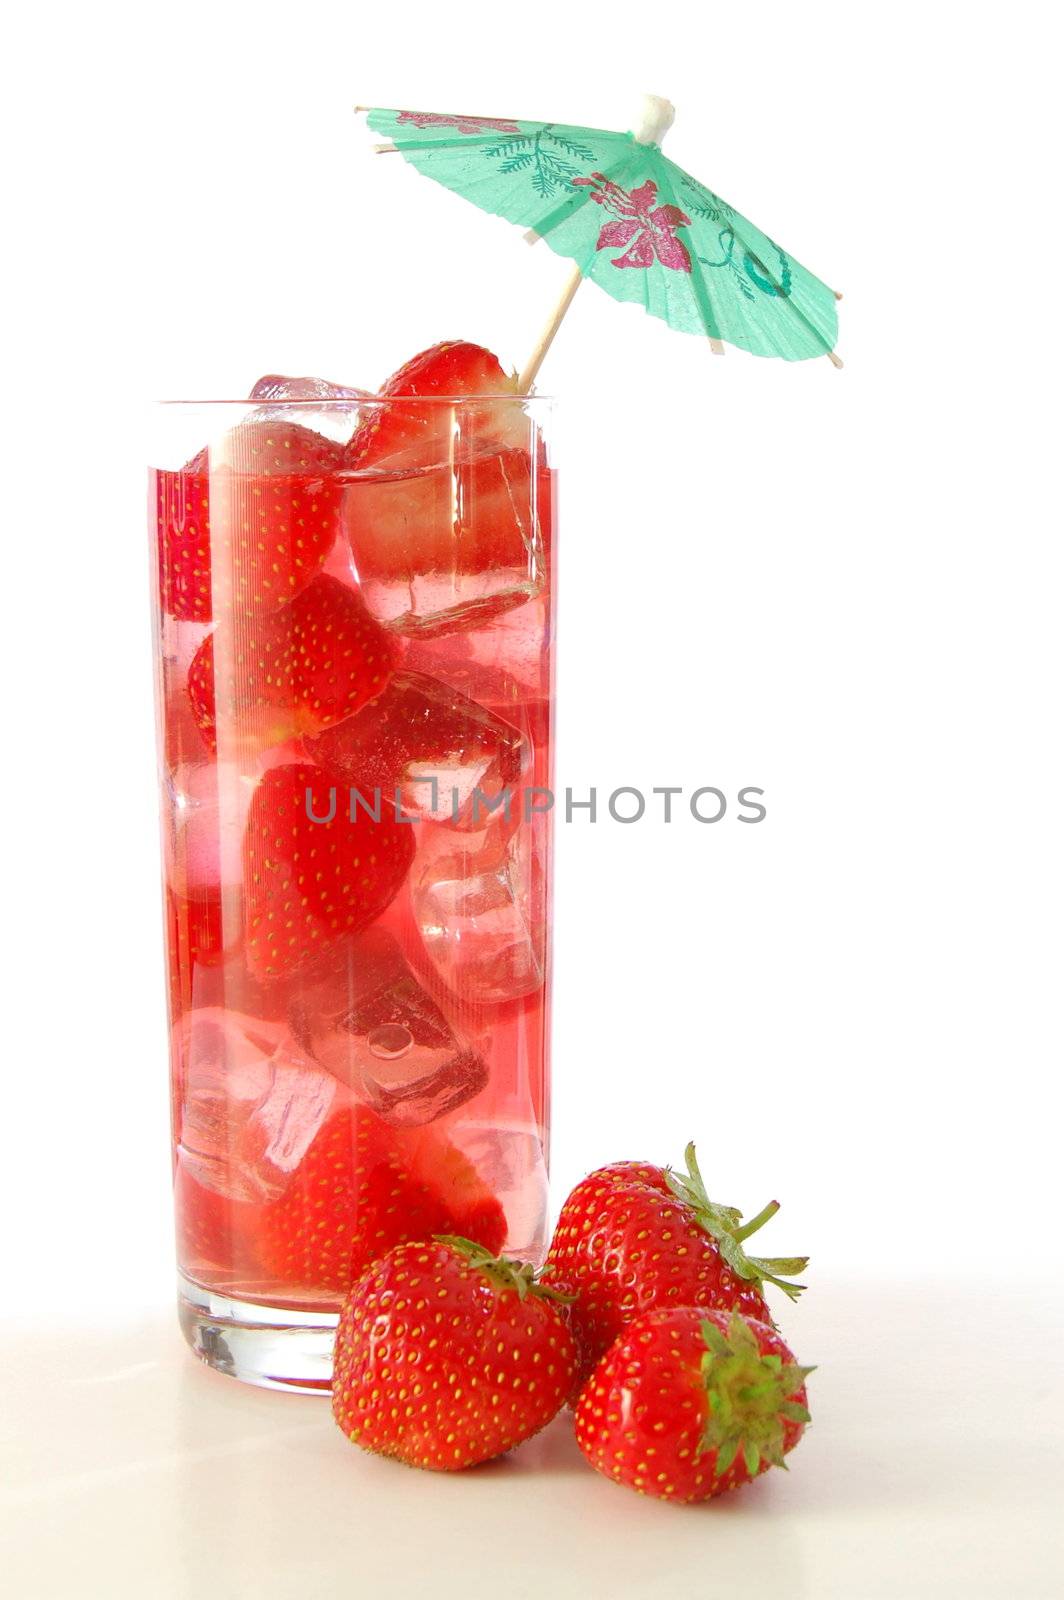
column 647, row 229
column 634, row 222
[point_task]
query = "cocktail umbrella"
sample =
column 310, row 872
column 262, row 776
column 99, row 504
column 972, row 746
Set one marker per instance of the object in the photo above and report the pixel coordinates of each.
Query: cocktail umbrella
column 632, row 221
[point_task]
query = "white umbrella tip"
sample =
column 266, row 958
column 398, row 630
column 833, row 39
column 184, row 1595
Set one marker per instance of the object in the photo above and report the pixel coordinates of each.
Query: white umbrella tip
column 655, row 119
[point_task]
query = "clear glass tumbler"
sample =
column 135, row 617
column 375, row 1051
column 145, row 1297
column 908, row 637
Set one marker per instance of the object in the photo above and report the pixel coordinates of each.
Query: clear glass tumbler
column 354, row 672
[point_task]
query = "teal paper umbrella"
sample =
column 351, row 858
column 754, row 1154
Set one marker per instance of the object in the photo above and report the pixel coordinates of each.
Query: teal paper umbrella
column 631, row 220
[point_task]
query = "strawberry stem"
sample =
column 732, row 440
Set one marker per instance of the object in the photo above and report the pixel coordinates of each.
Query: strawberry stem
column 725, row 1225
column 502, row 1272
column 756, row 1222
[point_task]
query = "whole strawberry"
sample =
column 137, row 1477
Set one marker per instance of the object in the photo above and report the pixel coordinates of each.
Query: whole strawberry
column 302, row 668
column 363, row 1187
column 307, row 882
column 252, row 521
column 634, row 1237
column 447, row 1355
column 688, row 1404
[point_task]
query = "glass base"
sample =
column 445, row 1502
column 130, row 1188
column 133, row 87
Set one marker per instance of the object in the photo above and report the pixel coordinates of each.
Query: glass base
column 274, row 1347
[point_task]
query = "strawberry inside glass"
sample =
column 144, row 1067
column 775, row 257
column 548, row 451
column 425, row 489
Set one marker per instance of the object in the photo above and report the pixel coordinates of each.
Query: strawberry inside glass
column 354, row 687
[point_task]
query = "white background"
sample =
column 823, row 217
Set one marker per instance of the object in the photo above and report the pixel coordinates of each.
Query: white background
column 841, row 587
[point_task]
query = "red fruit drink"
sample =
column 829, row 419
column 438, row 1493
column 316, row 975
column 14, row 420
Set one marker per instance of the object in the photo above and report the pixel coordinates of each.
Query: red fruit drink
column 354, row 606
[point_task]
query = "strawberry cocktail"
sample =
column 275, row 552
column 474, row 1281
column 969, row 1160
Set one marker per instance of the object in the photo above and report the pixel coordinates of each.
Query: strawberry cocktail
column 354, row 687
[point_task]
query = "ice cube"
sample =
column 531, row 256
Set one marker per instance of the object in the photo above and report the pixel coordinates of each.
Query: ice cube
column 374, row 1026
column 482, row 916
column 335, row 420
column 207, row 807
column 510, row 1155
column 451, row 760
column 504, row 665
column 276, row 386
column 249, row 1102
column 450, row 544
column 181, row 739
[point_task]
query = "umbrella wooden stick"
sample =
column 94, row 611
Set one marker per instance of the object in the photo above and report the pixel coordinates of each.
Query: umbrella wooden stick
column 546, row 338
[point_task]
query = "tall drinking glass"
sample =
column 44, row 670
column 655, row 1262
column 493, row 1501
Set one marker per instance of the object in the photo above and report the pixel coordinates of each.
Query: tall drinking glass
column 353, row 608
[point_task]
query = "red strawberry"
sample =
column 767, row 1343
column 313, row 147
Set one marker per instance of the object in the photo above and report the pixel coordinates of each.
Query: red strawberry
column 183, row 532
column 689, row 1403
column 307, row 883
column 195, row 939
column 421, row 435
column 310, row 664
column 454, row 366
column 196, row 918
column 446, row 1356
column 252, row 522
column 634, row 1237
column 361, row 1188
column 337, row 657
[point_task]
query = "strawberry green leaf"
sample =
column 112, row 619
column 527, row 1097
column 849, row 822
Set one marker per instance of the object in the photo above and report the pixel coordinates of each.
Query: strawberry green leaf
column 725, row 1225
column 748, row 1397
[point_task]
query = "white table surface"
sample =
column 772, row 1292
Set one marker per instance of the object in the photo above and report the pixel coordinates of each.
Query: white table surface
column 933, row 1469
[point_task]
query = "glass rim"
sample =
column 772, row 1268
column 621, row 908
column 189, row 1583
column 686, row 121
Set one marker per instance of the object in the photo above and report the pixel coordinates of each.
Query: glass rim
column 350, row 402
